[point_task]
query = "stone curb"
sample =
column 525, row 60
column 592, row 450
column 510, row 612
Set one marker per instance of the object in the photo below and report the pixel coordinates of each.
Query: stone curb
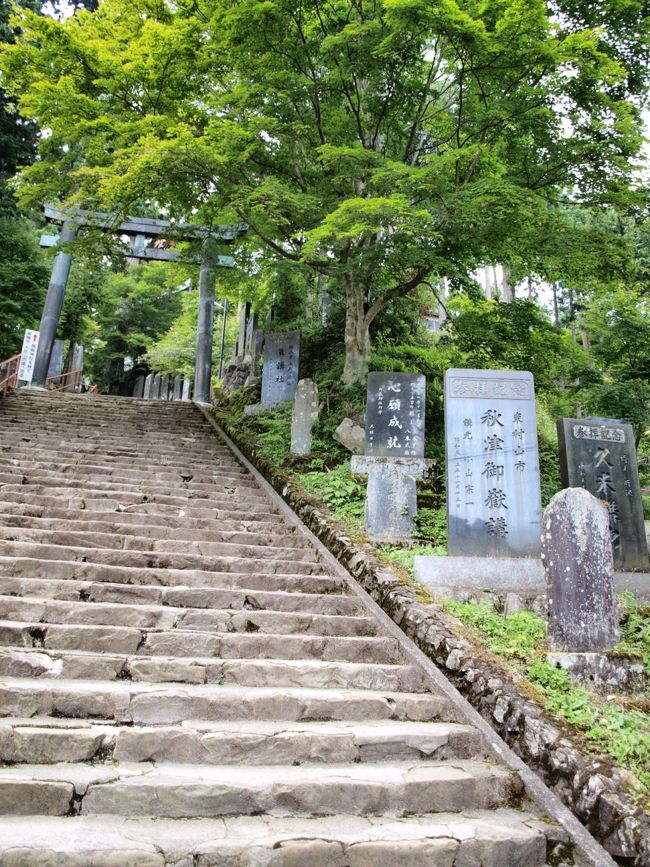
column 591, row 787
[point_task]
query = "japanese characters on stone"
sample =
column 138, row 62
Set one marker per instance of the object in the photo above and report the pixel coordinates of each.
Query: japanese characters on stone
column 281, row 367
column 395, row 415
column 600, row 456
column 494, row 501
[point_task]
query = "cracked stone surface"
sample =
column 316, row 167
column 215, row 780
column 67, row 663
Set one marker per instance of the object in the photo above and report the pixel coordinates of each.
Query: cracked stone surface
column 183, row 682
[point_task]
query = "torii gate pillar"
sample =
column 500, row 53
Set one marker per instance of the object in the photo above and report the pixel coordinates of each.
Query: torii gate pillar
column 205, row 322
column 52, row 308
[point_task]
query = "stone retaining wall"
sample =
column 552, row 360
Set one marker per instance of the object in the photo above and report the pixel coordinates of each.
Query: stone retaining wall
column 593, row 788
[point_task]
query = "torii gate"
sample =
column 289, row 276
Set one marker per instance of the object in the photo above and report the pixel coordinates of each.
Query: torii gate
column 140, row 229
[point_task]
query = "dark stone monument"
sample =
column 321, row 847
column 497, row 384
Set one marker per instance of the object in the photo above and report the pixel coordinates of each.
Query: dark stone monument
column 600, row 456
column 305, row 413
column 493, row 488
column 138, row 386
column 281, row 364
column 394, row 454
column 577, row 557
column 395, row 415
column 56, row 360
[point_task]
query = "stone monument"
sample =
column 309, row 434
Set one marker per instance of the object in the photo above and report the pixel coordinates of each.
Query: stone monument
column 305, row 413
column 600, row 456
column 56, row 360
column 148, row 384
column 187, row 389
column 155, row 387
column 281, row 364
column 394, row 455
column 176, row 394
column 138, row 386
column 577, row 557
column 493, row 486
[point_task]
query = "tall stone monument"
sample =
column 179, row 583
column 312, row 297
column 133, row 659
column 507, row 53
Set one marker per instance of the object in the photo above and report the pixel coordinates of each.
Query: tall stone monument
column 493, row 486
column 281, row 365
column 148, row 385
column 138, row 386
column 577, row 557
column 599, row 454
column 394, row 454
column 56, row 360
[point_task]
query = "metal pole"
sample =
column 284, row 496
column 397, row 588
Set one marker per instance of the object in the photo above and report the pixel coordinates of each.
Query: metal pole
column 52, row 307
column 205, row 323
column 223, row 336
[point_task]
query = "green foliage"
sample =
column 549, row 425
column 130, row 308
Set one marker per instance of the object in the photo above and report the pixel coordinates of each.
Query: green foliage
column 622, row 732
column 272, row 433
column 516, row 637
column 343, row 493
column 431, row 526
column 23, row 281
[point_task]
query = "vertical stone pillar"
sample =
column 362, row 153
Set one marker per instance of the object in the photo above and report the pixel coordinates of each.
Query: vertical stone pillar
column 52, row 307
column 205, row 323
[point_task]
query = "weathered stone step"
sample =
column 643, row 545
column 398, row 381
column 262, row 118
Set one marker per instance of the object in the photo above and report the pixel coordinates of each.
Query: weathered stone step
column 102, row 440
column 189, row 791
column 184, row 642
column 165, row 617
column 498, row 838
column 46, row 740
column 133, row 457
column 143, row 544
column 234, row 532
column 189, row 510
column 310, row 673
column 129, row 492
column 127, row 470
column 121, row 454
column 156, row 704
column 193, row 578
column 167, row 561
column 182, row 596
column 166, row 483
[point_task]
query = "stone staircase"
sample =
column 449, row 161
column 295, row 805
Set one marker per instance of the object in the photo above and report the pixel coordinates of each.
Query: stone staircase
column 183, row 681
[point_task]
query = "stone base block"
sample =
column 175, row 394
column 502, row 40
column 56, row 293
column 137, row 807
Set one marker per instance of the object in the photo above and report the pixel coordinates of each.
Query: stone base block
column 602, row 672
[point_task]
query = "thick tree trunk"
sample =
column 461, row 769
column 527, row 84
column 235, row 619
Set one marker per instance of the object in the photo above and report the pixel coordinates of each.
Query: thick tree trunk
column 357, row 335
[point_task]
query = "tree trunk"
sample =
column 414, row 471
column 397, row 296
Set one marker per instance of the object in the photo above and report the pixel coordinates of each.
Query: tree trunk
column 357, row 335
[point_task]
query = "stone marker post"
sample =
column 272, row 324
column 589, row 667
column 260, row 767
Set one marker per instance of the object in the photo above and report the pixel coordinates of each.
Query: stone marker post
column 493, row 488
column 600, row 456
column 148, row 383
column 305, row 413
column 56, row 360
column 155, row 387
column 187, row 388
column 577, row 557
column 394, row 454
column 164, row 387
column 176, row 394
column 281, row 365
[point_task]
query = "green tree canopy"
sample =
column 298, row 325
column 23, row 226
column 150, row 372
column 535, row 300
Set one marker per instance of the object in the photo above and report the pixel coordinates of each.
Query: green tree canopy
column 376, row 143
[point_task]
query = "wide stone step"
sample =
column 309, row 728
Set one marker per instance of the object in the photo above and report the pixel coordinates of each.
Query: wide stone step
column 45, row 740
column 134, row 460
column 183, row 531
column 499, row 838
column 127, row 470
column 189, row 791
column 182, row 642
column 166, row 483
column 131, row 702
column 188, row 511
column 309, row 673
column 223, row 494
column 172, row 561
column 188, row 597
column 32, row 567
column 142, row 544
column 170, row 618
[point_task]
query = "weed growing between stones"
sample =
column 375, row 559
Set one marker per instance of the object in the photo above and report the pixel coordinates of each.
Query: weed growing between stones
column 610, row 723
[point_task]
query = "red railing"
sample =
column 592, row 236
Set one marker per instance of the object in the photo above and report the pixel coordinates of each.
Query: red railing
column 70, row 381
column 9, row 374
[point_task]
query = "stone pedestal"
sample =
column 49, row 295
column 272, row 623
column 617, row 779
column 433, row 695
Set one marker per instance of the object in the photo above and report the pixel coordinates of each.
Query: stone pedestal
column 305, row 413
column 391, row 498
